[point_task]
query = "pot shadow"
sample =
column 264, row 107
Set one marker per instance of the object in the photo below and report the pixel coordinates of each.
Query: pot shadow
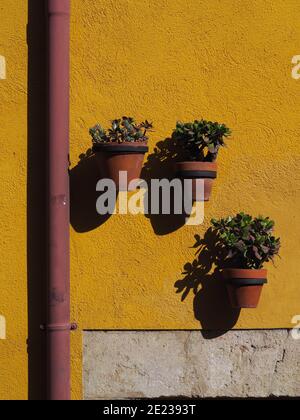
column 83, row 195
column 161, row 165
column 203, row 276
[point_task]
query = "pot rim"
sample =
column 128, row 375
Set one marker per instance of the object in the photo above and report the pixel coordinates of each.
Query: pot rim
column 232, row 274
column 196, row 163
column 247, row 282
column 245, row 276
column 196, row 174
column 200, row 170
column 125, row 147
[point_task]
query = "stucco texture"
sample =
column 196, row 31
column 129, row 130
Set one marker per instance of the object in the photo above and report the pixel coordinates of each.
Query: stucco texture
column 13, row 160
column 228, row 61
column 164, row 60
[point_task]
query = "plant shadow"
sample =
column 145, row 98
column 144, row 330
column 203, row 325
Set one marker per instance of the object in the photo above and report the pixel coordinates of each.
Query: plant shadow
column 83, row 195
column 203, row 276
column 160, row 165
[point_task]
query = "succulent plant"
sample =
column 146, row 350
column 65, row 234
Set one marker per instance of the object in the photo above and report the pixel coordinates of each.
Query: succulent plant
column 201, row 139
column 248, row 240
column 122, row 130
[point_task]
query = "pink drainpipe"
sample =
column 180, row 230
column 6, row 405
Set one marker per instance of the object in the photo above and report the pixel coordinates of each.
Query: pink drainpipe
column 58, row 322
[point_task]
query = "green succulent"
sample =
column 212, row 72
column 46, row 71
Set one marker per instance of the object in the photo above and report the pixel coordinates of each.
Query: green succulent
column 122, row 130
column 201, row 139
column 249, row 241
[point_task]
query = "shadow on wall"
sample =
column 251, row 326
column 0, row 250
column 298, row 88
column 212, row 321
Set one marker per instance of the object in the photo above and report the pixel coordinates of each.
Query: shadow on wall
column 203, row 277
column 161, row 165
column 36, row 197
column 83, row 195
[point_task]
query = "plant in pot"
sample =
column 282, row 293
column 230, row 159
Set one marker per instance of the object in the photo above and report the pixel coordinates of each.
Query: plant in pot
column 121, row 148
column 200, row 141
column 248, row 242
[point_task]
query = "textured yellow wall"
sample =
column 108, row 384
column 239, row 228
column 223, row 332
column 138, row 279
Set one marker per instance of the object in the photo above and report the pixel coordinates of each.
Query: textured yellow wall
column 164, row 60
column 13, row 149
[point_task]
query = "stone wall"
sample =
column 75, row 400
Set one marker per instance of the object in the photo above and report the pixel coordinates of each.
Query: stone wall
column 153, row 364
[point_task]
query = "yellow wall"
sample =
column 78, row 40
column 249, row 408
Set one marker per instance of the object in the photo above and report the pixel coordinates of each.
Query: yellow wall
column 164, row 60
column 13, row 159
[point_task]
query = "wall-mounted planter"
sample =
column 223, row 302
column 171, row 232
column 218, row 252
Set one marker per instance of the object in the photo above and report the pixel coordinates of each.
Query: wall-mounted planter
column 207, row 171
column 244, row 241
column 116, row 157
column 198, row 143
column 244, row 286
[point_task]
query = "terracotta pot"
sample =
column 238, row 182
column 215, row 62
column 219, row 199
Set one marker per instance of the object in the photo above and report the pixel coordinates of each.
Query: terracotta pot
column 116, row 157
column 198, row 170
column 244, row 286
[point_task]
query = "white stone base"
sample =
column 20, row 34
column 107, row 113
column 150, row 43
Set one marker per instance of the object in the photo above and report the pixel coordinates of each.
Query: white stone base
column 153, row 364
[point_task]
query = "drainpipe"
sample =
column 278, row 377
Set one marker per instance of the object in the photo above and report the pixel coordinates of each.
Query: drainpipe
column 58, row 301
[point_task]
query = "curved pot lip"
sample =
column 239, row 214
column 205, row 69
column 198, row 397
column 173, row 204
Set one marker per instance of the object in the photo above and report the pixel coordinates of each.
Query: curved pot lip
column 188, row 165
column 244, row 273
column 126, row 146
column 246, row 282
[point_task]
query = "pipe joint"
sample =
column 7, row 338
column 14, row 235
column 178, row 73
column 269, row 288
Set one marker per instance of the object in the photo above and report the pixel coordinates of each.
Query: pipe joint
column 59, row 327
